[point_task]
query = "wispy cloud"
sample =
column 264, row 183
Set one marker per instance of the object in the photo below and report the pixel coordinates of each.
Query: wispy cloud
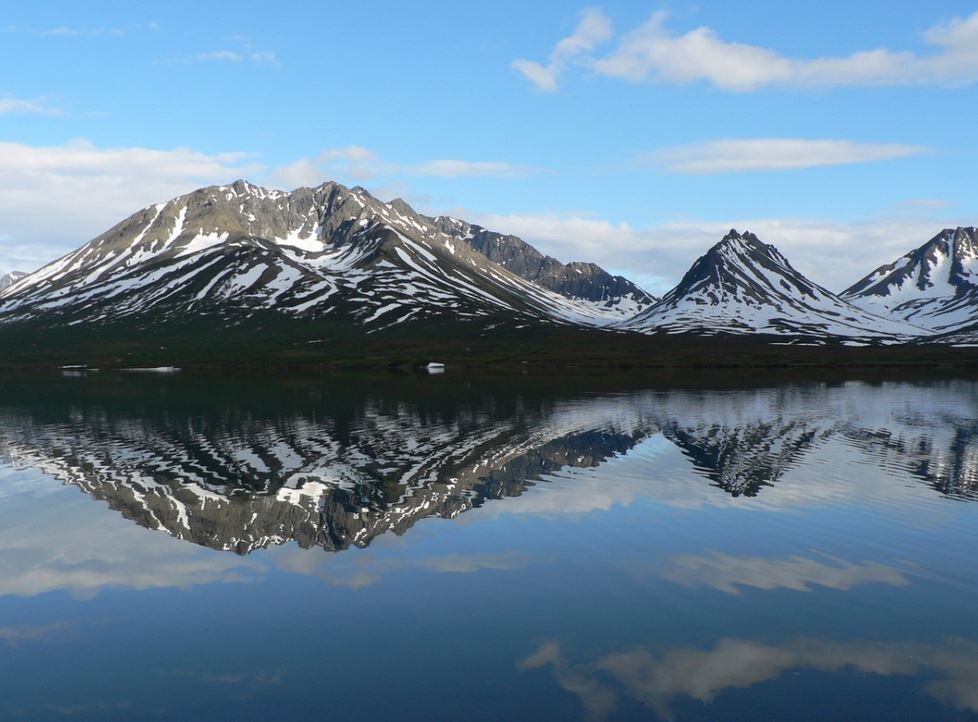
column 459, row 168
column 234, row 56
column 729, row 573
column 720, row 156
column 31, row 633
column 653, row 52
column 70, row 31
column 263, row 57
column 240, row 49
column 593, row 28
column 360, row 164
column 31, row 106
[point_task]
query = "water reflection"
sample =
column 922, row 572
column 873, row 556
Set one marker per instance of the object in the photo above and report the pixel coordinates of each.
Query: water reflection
column 689, row 554
column 660, row 679
column 231, row 476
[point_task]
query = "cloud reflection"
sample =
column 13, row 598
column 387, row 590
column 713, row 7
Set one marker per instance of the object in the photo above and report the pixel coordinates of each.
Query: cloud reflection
column 948, row 672
column 728, row 572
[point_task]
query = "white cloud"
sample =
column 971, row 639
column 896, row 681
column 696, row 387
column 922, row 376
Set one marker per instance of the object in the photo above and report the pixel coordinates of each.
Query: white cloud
column 70, row 31
column 241, row 49
column 592, row 29
column 53, row 198
column 264, row 57
column 659, row 255
column 32, row 106
column 230, row 55
column 360, row 164
column 718, row 156
column 460, row 168
column 651, row 52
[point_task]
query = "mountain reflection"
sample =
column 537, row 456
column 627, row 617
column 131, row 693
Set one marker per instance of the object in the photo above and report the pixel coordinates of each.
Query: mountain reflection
column 233, row 466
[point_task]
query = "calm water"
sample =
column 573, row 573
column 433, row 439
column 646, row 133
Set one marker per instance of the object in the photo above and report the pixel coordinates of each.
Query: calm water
column 443, row 549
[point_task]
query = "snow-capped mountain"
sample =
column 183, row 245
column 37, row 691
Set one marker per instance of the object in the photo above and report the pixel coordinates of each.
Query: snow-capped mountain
column 934, row 286
column 9, row 279
column 745, row 286
column 232, row 250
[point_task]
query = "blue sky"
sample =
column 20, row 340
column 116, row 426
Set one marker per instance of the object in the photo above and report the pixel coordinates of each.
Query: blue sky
column 632, row 134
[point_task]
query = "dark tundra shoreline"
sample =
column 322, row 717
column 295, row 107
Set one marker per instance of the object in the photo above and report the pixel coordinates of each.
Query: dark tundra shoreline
column 271, row 341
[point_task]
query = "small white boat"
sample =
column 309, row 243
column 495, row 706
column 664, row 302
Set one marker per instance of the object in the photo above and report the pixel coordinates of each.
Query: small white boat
column 435, row 368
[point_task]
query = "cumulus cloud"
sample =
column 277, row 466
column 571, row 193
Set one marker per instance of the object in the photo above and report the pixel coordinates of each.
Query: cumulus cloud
column 652, row 52
column 593, row 28
column 659, row 255
column 719, row 156
column 53, row 198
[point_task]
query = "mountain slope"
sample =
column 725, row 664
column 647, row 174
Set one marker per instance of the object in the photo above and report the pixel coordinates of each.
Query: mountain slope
column 9, row 279
column 744, row 286
column 230, row 251
column 934, row 286
column 576, row 280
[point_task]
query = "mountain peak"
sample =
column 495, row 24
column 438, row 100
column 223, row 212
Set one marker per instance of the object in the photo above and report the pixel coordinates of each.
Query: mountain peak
column 934, row 285
column 232, row 249
column 736, row 248
column 743, row 285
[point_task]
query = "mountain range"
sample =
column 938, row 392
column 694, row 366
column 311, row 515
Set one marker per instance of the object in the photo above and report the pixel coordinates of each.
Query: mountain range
column 222, row 466
column 340, row 265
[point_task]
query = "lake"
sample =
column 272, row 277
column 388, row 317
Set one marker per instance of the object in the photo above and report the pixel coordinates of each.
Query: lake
column 505, row 548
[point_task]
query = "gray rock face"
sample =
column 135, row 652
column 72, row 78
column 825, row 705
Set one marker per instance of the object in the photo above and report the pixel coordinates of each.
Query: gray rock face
column 575, row 279
column 234, row 249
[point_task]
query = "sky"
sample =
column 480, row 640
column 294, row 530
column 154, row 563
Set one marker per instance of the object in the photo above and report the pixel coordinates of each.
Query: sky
column 632, row 134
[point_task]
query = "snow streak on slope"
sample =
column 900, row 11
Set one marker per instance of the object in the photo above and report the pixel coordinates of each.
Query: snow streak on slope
column 744, row 286
column 230, row 250
column 934, row 286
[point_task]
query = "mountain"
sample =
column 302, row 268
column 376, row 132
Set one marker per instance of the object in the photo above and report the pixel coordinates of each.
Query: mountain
column 745, row 286
column 10, row 279
column 231, row 251
column 934, row 286
column 576, row 280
